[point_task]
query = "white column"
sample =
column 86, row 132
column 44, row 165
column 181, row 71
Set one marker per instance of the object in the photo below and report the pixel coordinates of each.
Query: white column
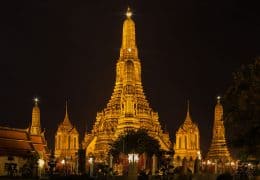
column 91, row 166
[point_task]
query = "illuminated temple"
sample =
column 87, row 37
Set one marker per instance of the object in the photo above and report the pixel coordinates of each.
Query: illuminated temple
column 128, row 108
column 18, row 146
column 187, row 141
column 218, row 150
column 66, row 143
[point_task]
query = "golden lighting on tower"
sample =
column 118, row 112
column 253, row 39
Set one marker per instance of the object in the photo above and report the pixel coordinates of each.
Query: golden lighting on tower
column 219, row 149
column 128, row 107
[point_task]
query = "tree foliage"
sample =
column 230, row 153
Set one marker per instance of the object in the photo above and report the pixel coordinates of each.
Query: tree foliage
column 135, row 141
column 242, row 110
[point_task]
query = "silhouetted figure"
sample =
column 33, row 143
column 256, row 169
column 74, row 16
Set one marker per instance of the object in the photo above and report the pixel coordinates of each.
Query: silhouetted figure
column 196, row 166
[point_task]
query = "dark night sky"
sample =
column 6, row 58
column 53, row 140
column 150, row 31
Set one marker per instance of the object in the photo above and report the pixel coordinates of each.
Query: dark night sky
column 68, row 49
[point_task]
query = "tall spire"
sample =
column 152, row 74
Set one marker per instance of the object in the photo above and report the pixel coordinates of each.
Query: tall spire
column 188, row 118
column 128, row 47
column 35, row 124
column 66, row 120
column 66, row 110
column 188, row 108
column 218, row 149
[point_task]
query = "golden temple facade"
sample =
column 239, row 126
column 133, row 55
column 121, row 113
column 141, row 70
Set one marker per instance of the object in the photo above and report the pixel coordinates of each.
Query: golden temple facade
column 187, row 141
column 218, row 150
column 66, row 143
column 128, row 107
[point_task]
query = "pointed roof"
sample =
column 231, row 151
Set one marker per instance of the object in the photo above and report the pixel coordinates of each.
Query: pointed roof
column 74, row 131
column 66, row 126
column 188, row 118
column 66, row 121
column 188, row 124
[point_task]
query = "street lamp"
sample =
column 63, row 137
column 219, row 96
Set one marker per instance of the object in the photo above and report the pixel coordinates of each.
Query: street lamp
column 199, row 155
column 208, row 165
column 63, row 162
column 91, row 166
column 40, row 165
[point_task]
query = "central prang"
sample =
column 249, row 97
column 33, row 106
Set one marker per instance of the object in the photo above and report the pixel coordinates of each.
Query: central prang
column 128, row 108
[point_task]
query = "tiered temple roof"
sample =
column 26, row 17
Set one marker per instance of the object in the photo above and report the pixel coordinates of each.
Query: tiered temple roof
column 15, row 142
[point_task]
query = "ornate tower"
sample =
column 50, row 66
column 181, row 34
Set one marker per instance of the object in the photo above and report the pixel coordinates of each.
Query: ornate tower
column 35, row 128
column 36, row 134
column 128, row 107
column 187, row 140
column 66, row 142
column 218, row 149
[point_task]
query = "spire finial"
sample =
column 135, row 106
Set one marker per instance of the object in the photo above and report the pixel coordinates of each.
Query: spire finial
column 218, row 99
column 128, row 12
column 66, row 120
column 66, row 108
column 36, row 101
column 35, row 127
column 188, row 111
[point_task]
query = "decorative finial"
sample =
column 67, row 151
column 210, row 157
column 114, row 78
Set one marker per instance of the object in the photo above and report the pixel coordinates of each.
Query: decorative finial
column 129, row 12
column 66, row 106
column 218, row 99
column 66, row 120
column 36, row 101
column 188, row 109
